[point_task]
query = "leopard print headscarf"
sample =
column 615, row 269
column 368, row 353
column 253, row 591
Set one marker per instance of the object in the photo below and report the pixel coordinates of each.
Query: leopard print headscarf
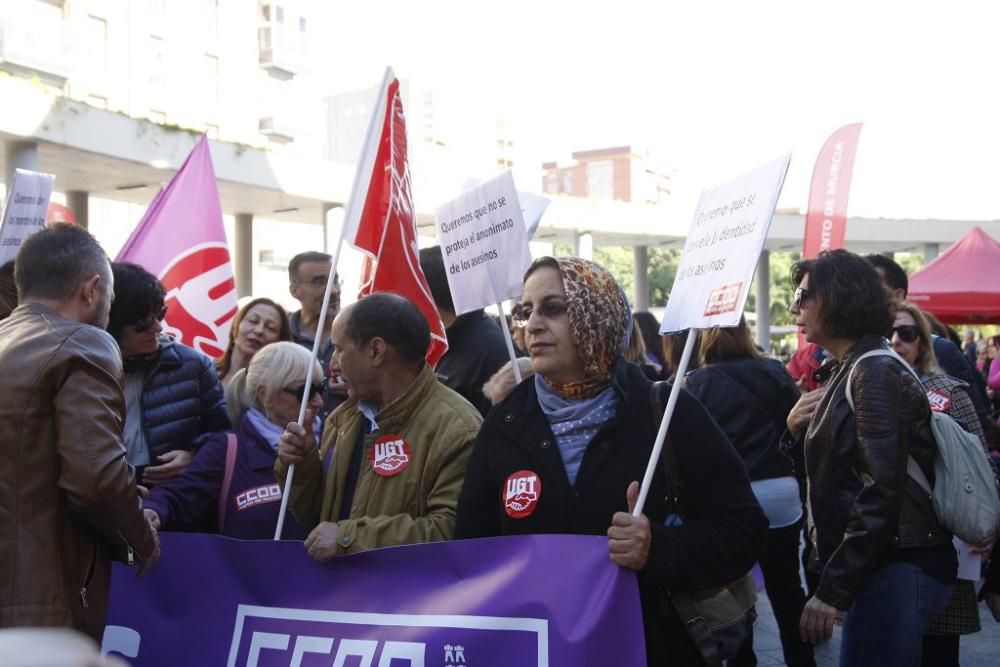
column 600, row 321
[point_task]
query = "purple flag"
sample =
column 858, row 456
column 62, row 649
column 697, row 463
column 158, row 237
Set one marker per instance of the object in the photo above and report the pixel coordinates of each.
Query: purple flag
column 530, row 601
column 181, row 240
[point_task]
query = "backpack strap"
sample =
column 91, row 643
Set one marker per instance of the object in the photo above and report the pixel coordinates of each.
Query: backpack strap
column 912, row 468
column 227, row 478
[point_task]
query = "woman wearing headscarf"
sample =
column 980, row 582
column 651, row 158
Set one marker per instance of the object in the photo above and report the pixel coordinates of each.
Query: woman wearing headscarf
column 585, row 426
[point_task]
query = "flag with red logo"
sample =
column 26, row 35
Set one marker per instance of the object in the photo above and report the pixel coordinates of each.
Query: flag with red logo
column 826, row 217
column 380, row 219
column 181, row 240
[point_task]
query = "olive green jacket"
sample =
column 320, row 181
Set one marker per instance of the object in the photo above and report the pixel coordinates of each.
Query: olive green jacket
column 415, row 505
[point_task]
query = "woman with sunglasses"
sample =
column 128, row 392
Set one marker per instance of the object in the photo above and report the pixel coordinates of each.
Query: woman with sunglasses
column 888, row 566
column 173, row 398
column 577, row 436
column 230, row 484
column 911, row 339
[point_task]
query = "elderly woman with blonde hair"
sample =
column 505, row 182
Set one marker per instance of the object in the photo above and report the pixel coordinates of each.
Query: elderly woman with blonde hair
column 230, row 483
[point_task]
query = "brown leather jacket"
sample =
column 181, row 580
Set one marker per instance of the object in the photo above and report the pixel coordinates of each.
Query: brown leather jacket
column 863, row 503
column 67, row 496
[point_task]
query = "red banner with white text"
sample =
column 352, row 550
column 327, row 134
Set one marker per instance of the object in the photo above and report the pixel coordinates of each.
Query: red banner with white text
column 826, row 217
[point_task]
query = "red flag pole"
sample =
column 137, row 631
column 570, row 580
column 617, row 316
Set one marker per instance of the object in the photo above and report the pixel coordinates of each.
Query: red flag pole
column 352, row 215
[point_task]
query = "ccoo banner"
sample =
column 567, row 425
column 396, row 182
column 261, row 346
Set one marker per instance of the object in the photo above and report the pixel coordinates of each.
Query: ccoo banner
column 531, row 601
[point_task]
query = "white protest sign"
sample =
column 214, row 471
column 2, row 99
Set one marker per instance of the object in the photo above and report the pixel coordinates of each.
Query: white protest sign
column 27, row 204
column 532, row 205
column 484, row 244
column 722, row 248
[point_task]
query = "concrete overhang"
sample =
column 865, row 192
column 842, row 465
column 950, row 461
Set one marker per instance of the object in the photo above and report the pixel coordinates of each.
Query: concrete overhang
column 114, row 156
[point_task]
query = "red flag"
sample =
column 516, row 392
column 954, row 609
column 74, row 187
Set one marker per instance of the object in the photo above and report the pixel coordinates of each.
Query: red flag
column 385, row 225
column 826, row 217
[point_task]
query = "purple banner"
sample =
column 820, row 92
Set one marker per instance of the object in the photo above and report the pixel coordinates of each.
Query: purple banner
column 531, row 601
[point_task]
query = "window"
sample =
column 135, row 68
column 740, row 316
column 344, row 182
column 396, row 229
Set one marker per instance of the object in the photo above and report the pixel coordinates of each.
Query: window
column 96, row 30
column 567, row 182
column 552, row 183
column 210, row 74
column 302, row 24
column 279, row 14
column 600, row 179
column 157, row 63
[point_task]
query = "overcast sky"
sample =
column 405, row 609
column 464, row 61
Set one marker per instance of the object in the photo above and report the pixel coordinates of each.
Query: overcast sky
column 714, row 88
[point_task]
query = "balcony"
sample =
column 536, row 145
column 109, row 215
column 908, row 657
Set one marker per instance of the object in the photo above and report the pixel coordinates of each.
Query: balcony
column 282, row 50
column 277, row 128
column 43, row 49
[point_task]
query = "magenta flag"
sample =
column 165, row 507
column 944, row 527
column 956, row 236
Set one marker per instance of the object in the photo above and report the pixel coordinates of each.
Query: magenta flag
column 181, row 240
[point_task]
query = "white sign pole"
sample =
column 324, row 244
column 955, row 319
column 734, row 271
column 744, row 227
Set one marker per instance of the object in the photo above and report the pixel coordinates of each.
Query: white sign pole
column 510, row 342
column 349, row 227
column 661, row 435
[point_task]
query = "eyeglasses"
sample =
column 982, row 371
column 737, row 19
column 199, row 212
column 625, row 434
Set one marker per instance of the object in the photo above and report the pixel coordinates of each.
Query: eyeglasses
column 314, row 390
column 550, row 310
column 146, row 323
column 907, row 333
column 801, row 294
column 319, row 281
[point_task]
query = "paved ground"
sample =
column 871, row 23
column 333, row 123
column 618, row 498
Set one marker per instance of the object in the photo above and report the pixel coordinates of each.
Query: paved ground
column 979, row 650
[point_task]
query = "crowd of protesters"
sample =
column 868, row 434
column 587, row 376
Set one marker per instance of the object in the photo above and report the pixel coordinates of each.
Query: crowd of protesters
column 100, row 406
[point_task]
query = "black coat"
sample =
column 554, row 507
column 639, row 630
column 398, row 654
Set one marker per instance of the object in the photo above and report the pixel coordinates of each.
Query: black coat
column 864, row 505
column 476, row 350
column 750, row 400
column 724, row 530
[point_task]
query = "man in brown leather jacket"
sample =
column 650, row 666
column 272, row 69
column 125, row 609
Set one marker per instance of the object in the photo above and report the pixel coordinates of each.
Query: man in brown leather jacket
column 67, row 496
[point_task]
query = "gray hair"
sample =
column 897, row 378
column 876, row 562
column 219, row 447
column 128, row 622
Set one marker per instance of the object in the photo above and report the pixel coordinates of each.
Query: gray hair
column 273, row 368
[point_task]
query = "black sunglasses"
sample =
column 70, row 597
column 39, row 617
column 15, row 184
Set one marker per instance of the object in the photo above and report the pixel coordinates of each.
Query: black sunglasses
column 801, row 294
column 550, row 310
column 146, row 323
column 907, row 333
column 314, row 390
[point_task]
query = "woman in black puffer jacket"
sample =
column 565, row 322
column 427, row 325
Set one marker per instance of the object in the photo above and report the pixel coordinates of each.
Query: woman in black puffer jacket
column 173, row 397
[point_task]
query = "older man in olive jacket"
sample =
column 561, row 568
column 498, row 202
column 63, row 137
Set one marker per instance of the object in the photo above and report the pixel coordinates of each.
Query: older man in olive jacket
column 68, row 499
column 394, row 455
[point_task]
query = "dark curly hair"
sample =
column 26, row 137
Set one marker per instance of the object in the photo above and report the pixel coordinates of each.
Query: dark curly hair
column 138, row 293
column 852, row 300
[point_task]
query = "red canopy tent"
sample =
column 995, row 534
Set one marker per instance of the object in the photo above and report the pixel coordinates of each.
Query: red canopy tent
column 963, row 284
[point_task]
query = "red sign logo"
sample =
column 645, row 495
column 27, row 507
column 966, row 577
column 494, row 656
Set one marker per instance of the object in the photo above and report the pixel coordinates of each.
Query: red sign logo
column 723, row 299
column 201, row 298
column 390, row 455
column 521, row 493
column 940, row 401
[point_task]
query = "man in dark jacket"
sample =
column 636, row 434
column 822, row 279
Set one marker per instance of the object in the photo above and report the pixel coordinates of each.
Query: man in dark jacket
column 173, row 396
column 68, row 496
column 308, row 274
column 476, row 346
